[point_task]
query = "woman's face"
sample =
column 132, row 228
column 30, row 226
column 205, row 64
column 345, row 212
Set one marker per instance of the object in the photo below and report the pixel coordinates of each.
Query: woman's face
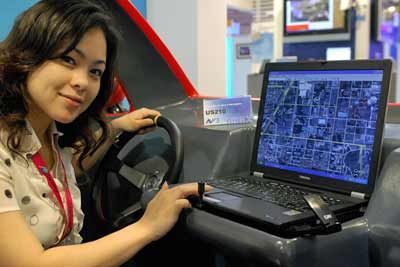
column 61, row 89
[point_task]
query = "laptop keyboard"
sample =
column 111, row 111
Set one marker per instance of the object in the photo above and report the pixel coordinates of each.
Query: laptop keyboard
column 281, row 194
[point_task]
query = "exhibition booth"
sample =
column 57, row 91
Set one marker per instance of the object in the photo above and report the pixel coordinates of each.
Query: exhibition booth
column 302, row 148
column 150, row 76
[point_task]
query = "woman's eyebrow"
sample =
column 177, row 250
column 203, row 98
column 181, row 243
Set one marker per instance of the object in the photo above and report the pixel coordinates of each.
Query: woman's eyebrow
column 82, row 55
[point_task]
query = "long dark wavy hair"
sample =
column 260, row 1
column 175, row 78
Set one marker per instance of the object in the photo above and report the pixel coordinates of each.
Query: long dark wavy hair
column 35, row 37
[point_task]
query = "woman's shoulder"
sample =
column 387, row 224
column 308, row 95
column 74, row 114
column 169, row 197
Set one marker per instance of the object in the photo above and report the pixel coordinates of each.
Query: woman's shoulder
column 26, row 143
column 6, row 154
column 3, row 140
column 5, row 158
column 4, row 150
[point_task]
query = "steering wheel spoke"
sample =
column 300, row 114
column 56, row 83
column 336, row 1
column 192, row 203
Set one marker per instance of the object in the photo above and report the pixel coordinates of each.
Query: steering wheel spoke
column 133, row 176
column 145, row 182
column 126, row 213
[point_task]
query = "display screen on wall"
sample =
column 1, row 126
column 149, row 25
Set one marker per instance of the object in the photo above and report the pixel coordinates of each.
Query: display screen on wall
column 314, row 17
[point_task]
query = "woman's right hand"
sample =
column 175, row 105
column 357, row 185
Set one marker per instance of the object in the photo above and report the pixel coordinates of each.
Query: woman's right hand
column 163, row 210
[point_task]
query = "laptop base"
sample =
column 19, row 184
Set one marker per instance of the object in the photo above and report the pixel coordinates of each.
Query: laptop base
column 306, row 227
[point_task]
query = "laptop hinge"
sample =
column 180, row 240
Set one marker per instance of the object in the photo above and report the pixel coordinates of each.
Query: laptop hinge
column 357, row 195
column 259, row 174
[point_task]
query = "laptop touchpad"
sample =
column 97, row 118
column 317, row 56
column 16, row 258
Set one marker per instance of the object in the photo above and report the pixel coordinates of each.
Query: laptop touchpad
column 222, row 196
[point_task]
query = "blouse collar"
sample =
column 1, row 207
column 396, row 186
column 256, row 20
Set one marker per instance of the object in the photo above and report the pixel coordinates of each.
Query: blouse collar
column 31, row 143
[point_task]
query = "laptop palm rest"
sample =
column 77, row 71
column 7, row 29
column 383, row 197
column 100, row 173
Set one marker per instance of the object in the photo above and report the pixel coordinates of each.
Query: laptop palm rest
column 251, row 208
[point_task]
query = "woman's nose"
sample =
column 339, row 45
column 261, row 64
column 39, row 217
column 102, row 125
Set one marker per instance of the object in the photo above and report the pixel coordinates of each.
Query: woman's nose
column 79, row 79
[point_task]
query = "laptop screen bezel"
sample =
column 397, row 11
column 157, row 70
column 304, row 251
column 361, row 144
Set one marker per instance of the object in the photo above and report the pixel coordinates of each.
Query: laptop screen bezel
column 314, row 180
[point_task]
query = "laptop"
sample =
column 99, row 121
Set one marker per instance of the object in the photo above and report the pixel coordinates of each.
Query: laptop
column 319, row 131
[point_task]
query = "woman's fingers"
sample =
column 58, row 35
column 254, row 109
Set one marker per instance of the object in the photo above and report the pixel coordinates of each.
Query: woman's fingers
column 183, row 204
column 185, row 190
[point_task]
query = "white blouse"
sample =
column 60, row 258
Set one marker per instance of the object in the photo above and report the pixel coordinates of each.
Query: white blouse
column 23, row 188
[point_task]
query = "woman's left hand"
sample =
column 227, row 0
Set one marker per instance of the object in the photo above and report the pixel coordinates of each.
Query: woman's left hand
column 140, row 120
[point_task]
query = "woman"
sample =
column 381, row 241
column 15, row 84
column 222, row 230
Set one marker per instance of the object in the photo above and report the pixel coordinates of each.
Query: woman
column 56, row 74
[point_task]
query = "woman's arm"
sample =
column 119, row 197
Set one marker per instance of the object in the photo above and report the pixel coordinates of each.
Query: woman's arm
column 20, row 247
column 131, row 122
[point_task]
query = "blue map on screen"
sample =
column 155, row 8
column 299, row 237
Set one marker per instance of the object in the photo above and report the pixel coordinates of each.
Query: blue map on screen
column 321, row 122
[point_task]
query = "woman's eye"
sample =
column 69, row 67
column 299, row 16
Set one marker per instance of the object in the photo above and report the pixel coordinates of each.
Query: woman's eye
column 68, row 60
column 97, row 72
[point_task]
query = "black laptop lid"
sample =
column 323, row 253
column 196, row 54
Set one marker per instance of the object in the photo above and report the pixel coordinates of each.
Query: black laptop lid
column 321, row 123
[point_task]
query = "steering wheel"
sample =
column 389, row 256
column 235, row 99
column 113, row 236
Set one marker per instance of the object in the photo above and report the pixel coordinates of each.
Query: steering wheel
column 119, row 182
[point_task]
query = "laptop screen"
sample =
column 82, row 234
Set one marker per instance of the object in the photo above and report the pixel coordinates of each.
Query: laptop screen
column 321, row 122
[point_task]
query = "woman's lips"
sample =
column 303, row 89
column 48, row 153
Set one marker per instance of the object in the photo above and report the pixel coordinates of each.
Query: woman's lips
column 72, row 100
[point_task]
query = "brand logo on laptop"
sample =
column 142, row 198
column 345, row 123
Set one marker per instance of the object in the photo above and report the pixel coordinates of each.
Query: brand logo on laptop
column 305, row 177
